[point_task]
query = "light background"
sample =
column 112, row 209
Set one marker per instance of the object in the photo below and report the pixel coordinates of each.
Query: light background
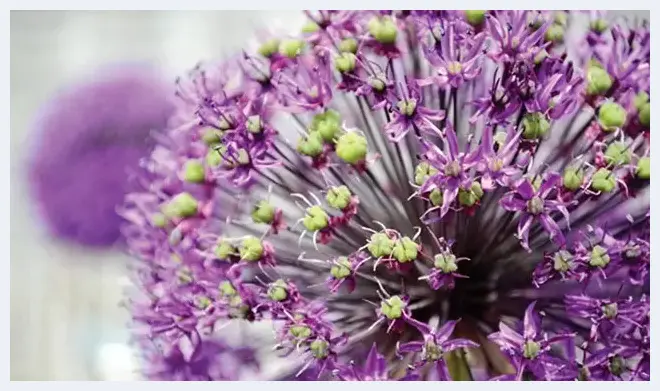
column 65, row 320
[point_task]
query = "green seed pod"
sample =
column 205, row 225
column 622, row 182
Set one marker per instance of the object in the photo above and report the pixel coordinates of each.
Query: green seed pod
column 352, row 148
column 181, row 205
column 251, row 249
column 599, row 257
column 310, row 27
column 535, row 126
column 611, row 116
column 263, row 212
column 643, row 170
column 270, row 47
column 407, row 107
column 436, row 197
column 645, row 115
column 312, row 145
column 392, row 308
column 618, row 153
column 345, row 62
column 610, row 311
column 561, row 18
column 291, row 47
column 319, row 348
column 327, row 124
column 342, row 268
column 422, row 172
column 603, row 180
column 405, row 250
column 316, row 219
column 562, row 261
column 253, row 124
column 225, row 250
column 383, row 29
column 598, row 81
column 475, row 17
column 598, row 26
column 159, row 220
column 300, row 332
column 380, row 245
column 211, row 137
column 214, row 157
column 470, row 197
column 445, row 262
column 555, row 33
column 194, row 171
column 338, row 197
column 278, row 291
column 348, row 45
column 531, row 350
column 227, row 289
column 573, row 178
column 640, row 100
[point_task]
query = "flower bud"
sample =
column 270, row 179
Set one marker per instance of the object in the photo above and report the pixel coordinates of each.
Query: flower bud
column 610, row 311
column 268, row 48
column 181, row 206
column 643, row 170
column 407, row 107
column 251, row 249
column 159, row 220
column 319, row 348
column 377, row 84
column 392, row 308
column 535, row 126
column 405, row 250
column 253, row 124
column 211, row 137
column 263, row 212
column 471, row 196
column 312, row 145
column 291, row 47
column 227, row 289
column 475, row 17
column 327, row 124
column 573, row 178
column 383, row 29
column 380, row 245
column 555, row 33
column 224, row 250
column 531, row 349
column 341, row 269
column 310, row 27
column 603, row 180
column 214, row 157
column 640, row 100
column 598, row 81
column 436, row 197
column 278, row 291
column 194, row 171
column 562, row 261
column 338, row 197
column 645, row 115
column 348, row 45
column 599, row 257
column 598, row 25
column 300, row 331
column 422, row 172
column 445, row 262
column 561, row 18
column 611, row 116
column 316, row 219
column 540, row 56
column 618, row 153
column 203, row 302
column 352, row 148
column 345, row 62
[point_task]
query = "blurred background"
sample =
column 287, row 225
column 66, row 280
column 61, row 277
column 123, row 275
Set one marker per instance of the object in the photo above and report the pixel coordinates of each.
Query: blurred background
column 66, row 323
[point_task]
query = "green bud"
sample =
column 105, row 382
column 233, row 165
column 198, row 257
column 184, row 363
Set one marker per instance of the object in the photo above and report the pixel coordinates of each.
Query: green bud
column 224, row 250
column 338, row 197
column 471, row 196
column 263, row 212
column 327, row 124
column 377, row 84
column 269, row 47
column 342, row 268
column 253, row 124
column 383, row 29
column 159, row 220
column 181, row 205
column 611, row 310
column 562, row 261
column 598, row 81
column 618, row 153
column 555, row 33
column 573, row 178
column 352, row 148
column 203, row 302
column 405, row 250
column 598, row 26
column 316, row 219
column 540, row 56
column 348, row 45
column 611, row 116
column 561, row 18
column 194, row 171
column 310, row 27
column 436, row 197
column 422, row 172
column 500, row 139
column 380, row 245
column 184, row 275
column 312, row 145
column 251, row 249
column 392, row 308
column 640, row 100
column 595, row 63
column 345, row 62
column 603, row 180
column 475, row 17
column 319, row 348
column 291, row 47
column 643, row 170
column 239, row 158
column 223, row 124
column 300, row 332
column 617, row 365
column 227, row 289
column 214, row 158
column 599, row 257
column 531, row 350
column 211, row 137
column 237, row 308
column 645, row 115
column 407, row 106
column 445, row 262
column 535, row 126
column 278, row 291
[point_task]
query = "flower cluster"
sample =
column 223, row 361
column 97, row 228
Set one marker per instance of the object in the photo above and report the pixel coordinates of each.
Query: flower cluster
column 405, row 195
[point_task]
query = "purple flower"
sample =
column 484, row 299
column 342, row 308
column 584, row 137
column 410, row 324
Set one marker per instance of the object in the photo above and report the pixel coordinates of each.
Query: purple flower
column 317, row 188
column 88, row 139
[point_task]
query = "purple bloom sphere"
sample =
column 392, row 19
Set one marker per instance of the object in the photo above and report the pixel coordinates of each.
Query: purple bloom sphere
column 87, row 140
column 404, row 195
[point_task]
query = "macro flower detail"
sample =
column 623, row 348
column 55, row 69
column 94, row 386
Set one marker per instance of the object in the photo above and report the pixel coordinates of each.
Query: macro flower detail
column 404, row 195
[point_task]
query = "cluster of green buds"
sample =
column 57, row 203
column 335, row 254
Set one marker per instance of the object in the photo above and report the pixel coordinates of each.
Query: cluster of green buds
column 469, row 197
column 315, row 219
column 423, row 171
column 573, row 178
column 535, row 126
column 643, row 106
column 555, row 33
column 251, row 249
column 383, row 29
column 603, row 180
column 238, row 309
column 339, row 197
column 351, row 147
column 278, row 290
column 617, row 153
column 393, row 308
column 380, row 245
column 224, row 250
column 611, row 116
column 446, row 262
column 405, row 250
column 341, row 268
column 599, row 257
column 263, row 212
column 291, row 48
column 562, row 261
column 181, row 206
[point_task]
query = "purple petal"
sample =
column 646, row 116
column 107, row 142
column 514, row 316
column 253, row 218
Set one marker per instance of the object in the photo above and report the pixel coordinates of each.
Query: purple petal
column 524, row 225
column 552, row 228
column 375, row 363
column 511, row 203
column 445, row 331
column 410, row 347
column 551, row 181
column 526, row 190
column 452, row 141
column 458, row 343
column 531, row 322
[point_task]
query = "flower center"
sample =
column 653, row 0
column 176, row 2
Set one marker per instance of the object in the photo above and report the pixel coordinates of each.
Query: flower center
column 535, row 205
column 454, row 68
column 531, row 350
column 432, row 352
column 453, row 169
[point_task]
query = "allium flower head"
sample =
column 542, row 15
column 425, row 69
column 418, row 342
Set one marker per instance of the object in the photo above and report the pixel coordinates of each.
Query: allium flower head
column 87, row 140
column 433, row 195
